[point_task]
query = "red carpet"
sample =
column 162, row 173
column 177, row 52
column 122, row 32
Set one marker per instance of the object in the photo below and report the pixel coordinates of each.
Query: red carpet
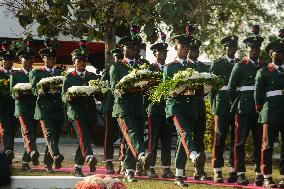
column 102, row 170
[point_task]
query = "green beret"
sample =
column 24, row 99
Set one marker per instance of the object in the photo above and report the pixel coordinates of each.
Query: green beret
column 116, row 52
column 182, row 39
column 159, row 47
column 48, row 51
column 275, row 46
column 229, row 41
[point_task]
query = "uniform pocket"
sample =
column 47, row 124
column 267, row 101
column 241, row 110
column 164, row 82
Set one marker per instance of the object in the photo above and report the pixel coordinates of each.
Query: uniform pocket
column 246, row 105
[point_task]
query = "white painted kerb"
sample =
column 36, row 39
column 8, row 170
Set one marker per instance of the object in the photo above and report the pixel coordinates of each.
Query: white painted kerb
column 45, row 182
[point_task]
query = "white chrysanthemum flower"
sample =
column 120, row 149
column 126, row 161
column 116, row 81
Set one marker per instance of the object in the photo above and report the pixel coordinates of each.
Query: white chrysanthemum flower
column 180, row 89
column 80, row 90
column 143, row 72
column 100, row 86
column 22, row 86
column 175, row 77
column 104, row 90
column 131, row 75
column 51, row 79
column 141, row 84
column 194, row 76
column 118, row 93
column 124, row 79
column 205, row 75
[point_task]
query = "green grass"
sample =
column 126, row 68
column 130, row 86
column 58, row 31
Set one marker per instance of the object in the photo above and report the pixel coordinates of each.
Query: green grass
column 155, row 184
column 145, row 184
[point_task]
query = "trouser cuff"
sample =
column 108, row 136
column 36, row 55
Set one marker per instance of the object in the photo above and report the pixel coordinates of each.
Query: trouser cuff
column 140, row 155
column 232, row 169
column 193, row 155
column 179, row 172
column 88, row 157
column 129, row 170
column 267, row 176
column 240, row 173
column 78, row 166
column 217, row 170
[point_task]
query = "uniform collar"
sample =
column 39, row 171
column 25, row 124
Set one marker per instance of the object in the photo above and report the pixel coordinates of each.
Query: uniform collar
column 48, row 69
column 181, row 61
column 253, row 62
column 192, row 62
column 25, row 71
column 160, row 66
column 230, row 59
column 129, row 60
column 276, row 66
column 7, row 71
column 79, row 73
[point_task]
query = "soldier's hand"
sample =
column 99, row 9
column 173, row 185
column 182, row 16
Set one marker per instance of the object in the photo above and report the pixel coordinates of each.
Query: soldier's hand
column 258, row 108
column 68, row 98
column 17, row 96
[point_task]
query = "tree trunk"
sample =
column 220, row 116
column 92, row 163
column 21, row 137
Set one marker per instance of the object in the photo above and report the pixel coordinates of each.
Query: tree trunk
column 110, row 40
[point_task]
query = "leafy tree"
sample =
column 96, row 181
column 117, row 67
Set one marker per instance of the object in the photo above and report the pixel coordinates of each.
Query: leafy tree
column 105, row 19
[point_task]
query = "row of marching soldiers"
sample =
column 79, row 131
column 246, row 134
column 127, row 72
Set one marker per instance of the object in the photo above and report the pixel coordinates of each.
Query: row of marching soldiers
column 251, row 100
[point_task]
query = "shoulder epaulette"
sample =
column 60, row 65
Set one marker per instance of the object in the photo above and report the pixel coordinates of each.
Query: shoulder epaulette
column 244, row 61
column 270, row 67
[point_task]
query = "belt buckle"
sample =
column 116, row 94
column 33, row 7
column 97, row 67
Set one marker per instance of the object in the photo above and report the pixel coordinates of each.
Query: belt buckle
column 188, row 92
